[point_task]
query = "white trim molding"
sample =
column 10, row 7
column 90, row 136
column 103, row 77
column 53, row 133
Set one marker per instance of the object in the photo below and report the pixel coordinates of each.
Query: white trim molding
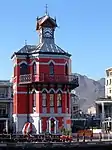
column 22, row 62
column 22, row 92
column 52, row 90
column 41, row 63
column 34, row 61
column 43, row 115
column 59, row 90
column 51, row 61
column 44, row 89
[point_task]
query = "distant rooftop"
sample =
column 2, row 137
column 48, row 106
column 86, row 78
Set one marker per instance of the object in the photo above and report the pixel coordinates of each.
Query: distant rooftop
column 5, row 83
column 103, row 99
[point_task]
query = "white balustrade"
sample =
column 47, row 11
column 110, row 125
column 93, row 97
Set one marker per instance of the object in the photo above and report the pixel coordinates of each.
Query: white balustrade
column 44, row 109
column 59, row 110
column 51, row 109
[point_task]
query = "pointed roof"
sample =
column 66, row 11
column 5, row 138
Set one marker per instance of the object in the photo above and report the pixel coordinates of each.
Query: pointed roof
column 42, row 48
column 47, row 46
column 42, row 20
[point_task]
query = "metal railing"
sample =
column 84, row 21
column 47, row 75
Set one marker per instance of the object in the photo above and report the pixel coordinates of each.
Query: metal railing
column 4, row 115
column 76, row 138
column 48, row 78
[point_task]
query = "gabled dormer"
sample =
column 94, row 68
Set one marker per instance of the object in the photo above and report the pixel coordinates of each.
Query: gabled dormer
column 46, row 27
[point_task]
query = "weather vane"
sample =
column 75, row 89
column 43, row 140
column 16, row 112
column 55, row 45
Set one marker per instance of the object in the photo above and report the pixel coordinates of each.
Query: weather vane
column 46, row 9
column 25, row 42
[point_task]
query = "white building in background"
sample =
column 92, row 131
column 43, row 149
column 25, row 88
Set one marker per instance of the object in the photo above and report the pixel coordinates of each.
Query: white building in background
column 104, row 105
column 5, row 105
column 91, row 110
column 74, row 103
column 108, row 83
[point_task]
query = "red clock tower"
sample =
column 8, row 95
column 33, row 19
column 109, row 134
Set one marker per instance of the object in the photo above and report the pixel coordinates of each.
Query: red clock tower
column 42, row 83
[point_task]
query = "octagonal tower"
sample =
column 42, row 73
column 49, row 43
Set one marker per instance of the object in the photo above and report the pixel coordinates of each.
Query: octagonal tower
column 42, row 83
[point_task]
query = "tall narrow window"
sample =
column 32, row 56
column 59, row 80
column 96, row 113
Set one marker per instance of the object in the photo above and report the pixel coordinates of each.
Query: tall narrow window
column 34, row 99
column 66, row 69
column 23, row 69
column 59, row 99
column 110, row 81
column 51, row 68
column 107, row 82
column 51, row 98
column 44, row 99
column 14, row 71
column 34, row 69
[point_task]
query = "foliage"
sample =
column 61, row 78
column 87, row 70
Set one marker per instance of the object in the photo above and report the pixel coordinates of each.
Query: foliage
column 66, row 131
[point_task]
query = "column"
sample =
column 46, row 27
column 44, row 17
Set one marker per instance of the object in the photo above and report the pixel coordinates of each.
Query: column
column 9, row 92
column 7, row 125
column 55, row 104
column 70, row 104
column 40, row 125
column 55, row 127
column 49, row 126
column 103, row 111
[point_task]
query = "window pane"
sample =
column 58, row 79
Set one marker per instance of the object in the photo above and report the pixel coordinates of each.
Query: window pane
column 59, row 99
column 23, row 69
column 34, row 99
column 44, row 99
column 51, row 99
column 34, row 69
column 3, row 109
column 51, row 69
column 3, row 92
column 66, row 69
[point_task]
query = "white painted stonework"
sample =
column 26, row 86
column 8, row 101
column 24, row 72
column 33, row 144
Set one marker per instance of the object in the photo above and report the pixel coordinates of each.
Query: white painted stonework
column 67, row 126
column 35, row 119
column 20, row 120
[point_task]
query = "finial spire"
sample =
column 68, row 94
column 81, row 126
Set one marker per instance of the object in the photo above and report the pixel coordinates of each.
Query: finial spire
column 46, row 9
column 25, row 42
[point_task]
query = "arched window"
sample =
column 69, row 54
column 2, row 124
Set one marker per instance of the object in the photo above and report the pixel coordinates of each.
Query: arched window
column 34, row 69
column 14, row 71
column 52, row 98
column 34, row 99
column 23, row 69
column 51, row 68
column 59, row 99
column 44, row 98
column 66, row 69
column 52, row 123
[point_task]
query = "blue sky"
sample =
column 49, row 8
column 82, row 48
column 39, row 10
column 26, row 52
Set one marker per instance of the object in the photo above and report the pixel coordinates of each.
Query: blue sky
column 85, row 31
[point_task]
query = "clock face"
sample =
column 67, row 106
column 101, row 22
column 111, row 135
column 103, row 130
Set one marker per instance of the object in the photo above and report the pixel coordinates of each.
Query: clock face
column 47, row 32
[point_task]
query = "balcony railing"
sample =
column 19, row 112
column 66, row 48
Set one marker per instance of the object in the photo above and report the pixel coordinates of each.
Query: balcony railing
column 29, row 78
column 3, row 95
column 4, row 115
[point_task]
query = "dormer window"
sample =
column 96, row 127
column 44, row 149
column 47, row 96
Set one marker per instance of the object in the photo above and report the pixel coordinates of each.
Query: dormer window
column 51, row 68
column 23, row 69
column 34, row 69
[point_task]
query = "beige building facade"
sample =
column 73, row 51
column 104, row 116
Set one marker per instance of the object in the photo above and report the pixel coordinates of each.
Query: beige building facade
column 104, row 104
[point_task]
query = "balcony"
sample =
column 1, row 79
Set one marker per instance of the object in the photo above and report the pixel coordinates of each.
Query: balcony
column 29, row 78
column 3, row 115
column 3, row 96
